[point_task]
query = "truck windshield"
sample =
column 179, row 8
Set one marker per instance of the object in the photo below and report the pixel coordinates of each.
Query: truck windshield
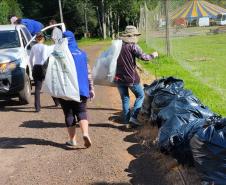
column 9, row 39
column 219, row 17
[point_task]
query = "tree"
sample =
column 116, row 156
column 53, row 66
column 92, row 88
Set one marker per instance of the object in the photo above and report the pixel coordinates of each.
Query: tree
column 99, row 17
column 7, row 9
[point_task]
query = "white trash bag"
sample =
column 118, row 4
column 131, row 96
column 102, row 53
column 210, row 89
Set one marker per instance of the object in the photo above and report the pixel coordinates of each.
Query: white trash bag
column 61, row 75
column 105, row 66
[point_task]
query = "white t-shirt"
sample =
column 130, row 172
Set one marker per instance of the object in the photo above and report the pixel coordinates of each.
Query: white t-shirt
column 40, row 53
column 56, row 35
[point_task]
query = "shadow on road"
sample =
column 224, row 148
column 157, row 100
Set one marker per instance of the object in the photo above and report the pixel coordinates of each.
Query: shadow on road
column 112, row 183
column 108, row 125
column 143, row 169
column 17, row 143
column 41, row 124
column 101, row 108
column 9, row 102
column 16, row 106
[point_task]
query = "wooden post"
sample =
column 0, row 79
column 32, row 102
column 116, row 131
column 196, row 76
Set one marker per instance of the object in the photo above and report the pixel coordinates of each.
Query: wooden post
column 167, row 27
column 146, row 22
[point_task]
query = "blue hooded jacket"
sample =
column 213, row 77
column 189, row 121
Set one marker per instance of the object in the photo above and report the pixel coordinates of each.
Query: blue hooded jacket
column 80, row 60
column 32, row 25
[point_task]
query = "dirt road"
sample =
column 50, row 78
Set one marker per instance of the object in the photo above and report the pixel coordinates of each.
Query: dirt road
column 32, row 149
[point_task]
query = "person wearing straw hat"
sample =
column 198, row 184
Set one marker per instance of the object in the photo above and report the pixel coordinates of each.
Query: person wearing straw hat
column 127, row 77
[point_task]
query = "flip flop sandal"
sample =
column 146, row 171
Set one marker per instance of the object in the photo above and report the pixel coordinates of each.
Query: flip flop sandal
column 87, row 141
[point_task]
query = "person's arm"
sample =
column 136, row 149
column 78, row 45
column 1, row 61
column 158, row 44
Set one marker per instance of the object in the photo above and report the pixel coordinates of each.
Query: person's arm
column 31, row 57
column 141, row 55
column 91, row 86
column 53, row 36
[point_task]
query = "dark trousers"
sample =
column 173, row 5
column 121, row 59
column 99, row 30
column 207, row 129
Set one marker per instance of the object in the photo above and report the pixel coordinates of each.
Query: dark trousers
column 39, row 75
column 74, row 111
column 38, row 87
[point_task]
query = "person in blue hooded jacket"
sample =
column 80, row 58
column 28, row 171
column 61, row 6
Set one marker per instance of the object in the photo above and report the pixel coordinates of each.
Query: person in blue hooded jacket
column 33, row 26
column 77, row 111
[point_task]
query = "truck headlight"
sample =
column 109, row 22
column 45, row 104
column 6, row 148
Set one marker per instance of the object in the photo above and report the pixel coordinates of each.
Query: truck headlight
column 10, row 66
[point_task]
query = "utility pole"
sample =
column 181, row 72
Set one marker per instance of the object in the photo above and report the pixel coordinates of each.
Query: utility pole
column 61, row 14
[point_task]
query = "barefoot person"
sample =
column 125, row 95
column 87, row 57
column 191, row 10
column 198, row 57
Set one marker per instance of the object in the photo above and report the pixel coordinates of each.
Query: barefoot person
column 127, row 77
column 76, row 111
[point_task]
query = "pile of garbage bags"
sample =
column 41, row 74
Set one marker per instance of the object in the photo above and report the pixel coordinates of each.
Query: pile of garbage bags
column 188, row 130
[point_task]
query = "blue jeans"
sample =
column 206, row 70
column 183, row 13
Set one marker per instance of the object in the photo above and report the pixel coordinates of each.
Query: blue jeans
column 137, row 90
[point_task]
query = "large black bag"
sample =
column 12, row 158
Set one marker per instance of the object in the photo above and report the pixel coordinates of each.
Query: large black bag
column 166, row 89
column 209, row 151
column 178, row 114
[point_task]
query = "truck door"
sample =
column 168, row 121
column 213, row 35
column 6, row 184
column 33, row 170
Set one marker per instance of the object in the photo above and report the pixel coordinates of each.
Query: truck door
column 25, row 60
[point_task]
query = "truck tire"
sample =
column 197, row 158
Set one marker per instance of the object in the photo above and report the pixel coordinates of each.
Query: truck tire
column 25, row 94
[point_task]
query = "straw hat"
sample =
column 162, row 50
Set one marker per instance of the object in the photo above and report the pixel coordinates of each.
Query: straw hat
column 130, row 34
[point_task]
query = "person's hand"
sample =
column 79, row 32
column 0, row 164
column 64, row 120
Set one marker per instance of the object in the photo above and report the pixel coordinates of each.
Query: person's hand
column 155, row 54
column 91, row 95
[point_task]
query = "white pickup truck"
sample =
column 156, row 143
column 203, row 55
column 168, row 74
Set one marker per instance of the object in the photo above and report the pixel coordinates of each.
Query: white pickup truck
column 15, row 69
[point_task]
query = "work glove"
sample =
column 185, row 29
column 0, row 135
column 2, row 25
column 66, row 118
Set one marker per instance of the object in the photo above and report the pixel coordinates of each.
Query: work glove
column 155, row 54
column 91, row 95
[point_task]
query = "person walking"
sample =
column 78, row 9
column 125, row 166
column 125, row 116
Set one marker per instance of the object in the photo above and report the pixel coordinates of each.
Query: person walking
column 33, row 26
column 56, row 34
column 38, row 59
column 127, row 77
column 56, row 37
column 76, row 111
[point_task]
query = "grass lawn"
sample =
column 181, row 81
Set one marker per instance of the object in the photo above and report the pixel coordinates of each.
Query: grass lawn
column 201, row 62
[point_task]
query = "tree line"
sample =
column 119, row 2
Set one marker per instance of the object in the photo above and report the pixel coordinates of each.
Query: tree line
column 95, row 17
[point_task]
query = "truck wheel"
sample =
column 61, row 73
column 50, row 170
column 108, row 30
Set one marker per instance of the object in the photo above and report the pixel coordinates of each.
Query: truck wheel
column 25, row 94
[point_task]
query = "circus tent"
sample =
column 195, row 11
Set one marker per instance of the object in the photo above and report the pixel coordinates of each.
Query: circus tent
column 196, row 9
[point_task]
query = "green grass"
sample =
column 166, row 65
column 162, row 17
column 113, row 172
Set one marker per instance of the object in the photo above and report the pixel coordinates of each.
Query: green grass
column 193, row 73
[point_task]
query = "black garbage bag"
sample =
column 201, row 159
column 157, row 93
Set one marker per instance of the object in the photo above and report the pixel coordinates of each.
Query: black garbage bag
column 162, row 99
column 166, row 88
column 178, row 114
column 178, row 122
column 208, row 146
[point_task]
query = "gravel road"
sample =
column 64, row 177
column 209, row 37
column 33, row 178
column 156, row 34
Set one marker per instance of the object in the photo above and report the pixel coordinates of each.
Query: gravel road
column 32, row 149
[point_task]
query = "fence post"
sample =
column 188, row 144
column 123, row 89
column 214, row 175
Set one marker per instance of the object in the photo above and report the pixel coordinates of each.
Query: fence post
column 146, row 21
column 167, row 27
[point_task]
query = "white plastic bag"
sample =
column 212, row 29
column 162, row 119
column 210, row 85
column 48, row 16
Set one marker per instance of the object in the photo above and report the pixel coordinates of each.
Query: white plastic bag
column 105, row 66
column 61, row 75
